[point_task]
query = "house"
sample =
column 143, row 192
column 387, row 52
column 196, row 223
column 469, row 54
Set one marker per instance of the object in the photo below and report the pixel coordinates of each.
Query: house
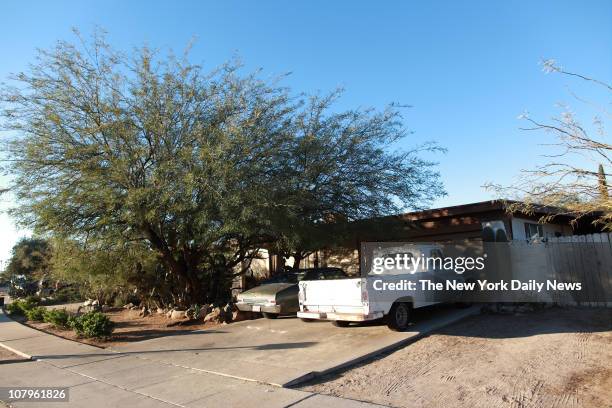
column 471, row 221
column 488, row 220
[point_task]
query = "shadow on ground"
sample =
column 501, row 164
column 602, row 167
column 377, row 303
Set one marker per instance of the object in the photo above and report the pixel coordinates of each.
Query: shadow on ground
column 275, row 346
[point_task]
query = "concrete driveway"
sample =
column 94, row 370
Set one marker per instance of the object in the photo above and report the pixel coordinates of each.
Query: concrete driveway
column 284, row 351
column 98, row 378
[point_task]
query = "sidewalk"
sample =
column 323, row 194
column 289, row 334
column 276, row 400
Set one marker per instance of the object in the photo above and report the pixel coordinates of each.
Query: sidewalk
column 98, row 378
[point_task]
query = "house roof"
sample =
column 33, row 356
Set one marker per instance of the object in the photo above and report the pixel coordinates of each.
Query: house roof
column 478, row 207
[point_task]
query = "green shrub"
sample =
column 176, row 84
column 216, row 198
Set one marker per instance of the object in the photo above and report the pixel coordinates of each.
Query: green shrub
column 92, row 324
column 32, row 301
column 73, row 322
column 57, row 317
column 36, row 314
column 21, row 307
column 14, row 308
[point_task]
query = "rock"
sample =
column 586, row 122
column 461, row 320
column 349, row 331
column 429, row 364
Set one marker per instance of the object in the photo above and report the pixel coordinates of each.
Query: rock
column 205, row 310
column 160, row 310
column 177, row 314
column 88, row 302
column 220, row 315
column 128, row 306
column 95, row 303
column 213, row 316
column 169, row 313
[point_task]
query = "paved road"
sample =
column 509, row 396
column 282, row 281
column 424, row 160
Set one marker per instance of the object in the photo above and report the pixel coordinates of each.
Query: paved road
column 236, row 365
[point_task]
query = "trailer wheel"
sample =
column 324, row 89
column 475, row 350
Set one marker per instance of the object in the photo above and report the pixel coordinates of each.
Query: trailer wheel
column 269, row 315
column 399, row 316
column 340, row 323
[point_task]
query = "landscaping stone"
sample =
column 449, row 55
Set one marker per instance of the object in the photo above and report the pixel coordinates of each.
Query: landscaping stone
column 177, row 314
column 205, row 310
column 214, row 316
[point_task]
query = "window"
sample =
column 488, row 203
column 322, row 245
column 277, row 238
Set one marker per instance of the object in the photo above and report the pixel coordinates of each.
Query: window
column 533, row 231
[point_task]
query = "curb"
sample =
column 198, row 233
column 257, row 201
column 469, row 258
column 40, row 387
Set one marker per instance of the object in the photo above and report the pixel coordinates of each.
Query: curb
column 19, row 353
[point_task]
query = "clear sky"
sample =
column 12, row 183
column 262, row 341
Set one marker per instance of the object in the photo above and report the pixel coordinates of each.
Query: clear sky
column 469, row 68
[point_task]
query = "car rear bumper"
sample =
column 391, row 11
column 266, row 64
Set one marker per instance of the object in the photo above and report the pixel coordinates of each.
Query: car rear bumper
column 251, row 307
column 348, row 317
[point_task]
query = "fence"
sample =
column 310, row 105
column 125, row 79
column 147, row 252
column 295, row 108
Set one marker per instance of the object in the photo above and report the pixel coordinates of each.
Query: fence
column 581, row 258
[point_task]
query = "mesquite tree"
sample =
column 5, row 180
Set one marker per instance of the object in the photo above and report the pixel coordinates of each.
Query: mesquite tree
column 204, row 168
column 342, row 169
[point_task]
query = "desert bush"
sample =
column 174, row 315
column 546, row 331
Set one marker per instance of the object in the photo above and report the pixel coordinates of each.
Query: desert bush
column 15, row 308
column 92, row 324
column 22, row 306
column 36, row 314
column 58, row 317
column 32, row 301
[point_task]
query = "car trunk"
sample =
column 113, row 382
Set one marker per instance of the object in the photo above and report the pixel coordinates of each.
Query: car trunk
column 264, row 293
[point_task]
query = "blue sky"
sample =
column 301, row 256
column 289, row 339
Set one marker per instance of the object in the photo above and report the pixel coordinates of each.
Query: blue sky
column 468, row 68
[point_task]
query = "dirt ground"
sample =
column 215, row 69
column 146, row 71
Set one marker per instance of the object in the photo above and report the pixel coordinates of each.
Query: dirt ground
column 552, row 358
column 129, row 327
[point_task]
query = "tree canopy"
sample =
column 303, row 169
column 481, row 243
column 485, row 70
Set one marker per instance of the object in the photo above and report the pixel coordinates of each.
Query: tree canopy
column 204, row 168
column 30, row 257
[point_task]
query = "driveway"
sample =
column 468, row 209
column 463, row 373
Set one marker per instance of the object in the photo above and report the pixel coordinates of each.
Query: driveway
column 284, row 351
column 97, row 378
